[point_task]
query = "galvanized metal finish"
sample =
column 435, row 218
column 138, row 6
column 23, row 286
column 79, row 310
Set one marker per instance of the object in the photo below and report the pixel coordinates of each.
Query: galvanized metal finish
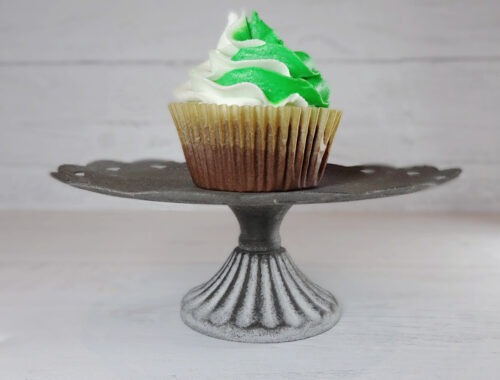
column 258, row 295
column 260, row 298
column 168, row 181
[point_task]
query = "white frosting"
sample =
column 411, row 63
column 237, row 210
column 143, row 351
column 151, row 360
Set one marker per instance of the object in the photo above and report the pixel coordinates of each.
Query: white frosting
column 202, row 88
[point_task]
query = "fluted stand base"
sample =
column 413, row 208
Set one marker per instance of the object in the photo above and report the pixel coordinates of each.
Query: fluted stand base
column 259, row 298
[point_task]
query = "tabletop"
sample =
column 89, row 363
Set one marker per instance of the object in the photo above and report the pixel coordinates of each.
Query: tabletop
column 95, row 295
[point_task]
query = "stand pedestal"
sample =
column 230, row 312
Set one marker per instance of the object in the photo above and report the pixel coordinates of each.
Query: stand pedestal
column 258, row 295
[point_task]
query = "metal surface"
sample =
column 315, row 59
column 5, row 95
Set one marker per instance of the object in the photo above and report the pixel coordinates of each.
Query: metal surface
column 168, row 181
column 260, row 298
column 258, row 295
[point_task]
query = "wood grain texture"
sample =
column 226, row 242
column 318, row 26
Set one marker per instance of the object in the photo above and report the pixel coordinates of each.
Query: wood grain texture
column 96, row 296
column 156, row 30
column 419, row 82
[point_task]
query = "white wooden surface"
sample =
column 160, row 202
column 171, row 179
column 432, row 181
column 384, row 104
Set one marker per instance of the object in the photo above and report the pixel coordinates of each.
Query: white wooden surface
column 96, row 296
column 419, row 82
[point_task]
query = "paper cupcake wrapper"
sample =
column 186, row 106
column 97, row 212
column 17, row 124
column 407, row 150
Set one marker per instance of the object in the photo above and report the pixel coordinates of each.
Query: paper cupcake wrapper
column 255, row 148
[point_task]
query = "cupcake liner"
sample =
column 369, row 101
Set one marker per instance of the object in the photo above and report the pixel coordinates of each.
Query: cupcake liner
column 255, row 148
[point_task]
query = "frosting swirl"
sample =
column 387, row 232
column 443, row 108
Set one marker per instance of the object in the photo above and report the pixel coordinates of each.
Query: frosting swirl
column 252, row 66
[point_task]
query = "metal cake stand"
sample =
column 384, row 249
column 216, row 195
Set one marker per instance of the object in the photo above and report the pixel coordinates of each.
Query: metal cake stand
column 259, row 294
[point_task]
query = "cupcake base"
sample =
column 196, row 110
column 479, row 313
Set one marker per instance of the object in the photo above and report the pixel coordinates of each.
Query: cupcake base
column 259, row 295
column 255, row 148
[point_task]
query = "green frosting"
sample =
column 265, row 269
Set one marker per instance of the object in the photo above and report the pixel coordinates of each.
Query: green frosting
column 305, row 80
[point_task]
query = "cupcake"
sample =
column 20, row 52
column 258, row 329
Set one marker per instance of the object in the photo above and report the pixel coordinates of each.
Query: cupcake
column 254, row 117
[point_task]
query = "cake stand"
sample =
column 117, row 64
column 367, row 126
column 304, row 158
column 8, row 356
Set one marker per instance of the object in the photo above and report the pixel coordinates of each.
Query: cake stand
column 259, row 294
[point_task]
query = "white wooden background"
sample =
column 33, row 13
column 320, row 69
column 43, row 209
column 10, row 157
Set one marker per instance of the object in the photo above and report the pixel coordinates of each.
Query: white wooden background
column 419, row 82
